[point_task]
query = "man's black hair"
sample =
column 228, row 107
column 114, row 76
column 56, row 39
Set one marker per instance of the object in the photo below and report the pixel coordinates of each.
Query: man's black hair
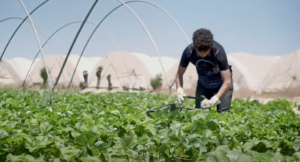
column 203, row 40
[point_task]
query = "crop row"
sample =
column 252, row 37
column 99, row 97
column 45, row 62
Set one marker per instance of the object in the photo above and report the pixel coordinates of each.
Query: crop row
column 114, row 127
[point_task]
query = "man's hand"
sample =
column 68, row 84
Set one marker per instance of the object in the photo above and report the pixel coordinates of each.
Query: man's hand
column 205, row 102
column 214, row 101
column 180, row 94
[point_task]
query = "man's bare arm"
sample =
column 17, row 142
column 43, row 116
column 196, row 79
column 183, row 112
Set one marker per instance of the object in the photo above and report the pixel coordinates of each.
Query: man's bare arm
column 226, row 83
column 179, row 77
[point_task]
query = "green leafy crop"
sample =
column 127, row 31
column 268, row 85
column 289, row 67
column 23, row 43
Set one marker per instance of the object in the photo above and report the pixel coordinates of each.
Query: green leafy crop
column 113, row 127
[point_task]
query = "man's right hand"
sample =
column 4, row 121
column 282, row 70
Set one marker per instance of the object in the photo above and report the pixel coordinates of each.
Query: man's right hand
column 180, row 94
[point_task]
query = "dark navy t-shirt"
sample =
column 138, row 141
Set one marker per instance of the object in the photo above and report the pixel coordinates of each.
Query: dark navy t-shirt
column 209, row 67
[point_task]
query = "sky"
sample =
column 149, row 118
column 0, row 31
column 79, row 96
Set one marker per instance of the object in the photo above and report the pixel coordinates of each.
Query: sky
column 268, row 27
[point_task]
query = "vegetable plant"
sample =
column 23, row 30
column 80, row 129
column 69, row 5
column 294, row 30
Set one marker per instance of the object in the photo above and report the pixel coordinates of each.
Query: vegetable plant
column 113, row 127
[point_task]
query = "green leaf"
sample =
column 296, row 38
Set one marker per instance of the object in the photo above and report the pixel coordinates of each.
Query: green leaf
column 46, row 127
column 127, row 142
column 90, row 159
column 69, row 153
column 176, row 128
column 86, row 138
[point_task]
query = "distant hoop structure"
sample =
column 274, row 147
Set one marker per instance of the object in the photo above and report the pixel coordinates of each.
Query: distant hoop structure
column 124, row 4
column 19, row 28
column 55, row 32
column 18, row 18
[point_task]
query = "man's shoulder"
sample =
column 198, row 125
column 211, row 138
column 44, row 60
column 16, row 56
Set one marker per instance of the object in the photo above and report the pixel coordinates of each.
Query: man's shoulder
column 189, row 49
column 217, row 45
column 218, row 48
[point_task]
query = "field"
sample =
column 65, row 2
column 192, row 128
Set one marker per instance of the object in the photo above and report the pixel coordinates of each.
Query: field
column 103, row 127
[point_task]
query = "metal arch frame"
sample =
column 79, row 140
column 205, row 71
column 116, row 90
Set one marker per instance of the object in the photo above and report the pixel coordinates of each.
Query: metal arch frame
column 20, row 26
column 55, row 32
column 124, row 4
column 72, row 45
column 153, row 42
column 168, row 14
column 38, row 41
column 18, row 18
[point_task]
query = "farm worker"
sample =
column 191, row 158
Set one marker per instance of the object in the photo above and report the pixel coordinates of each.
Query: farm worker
column 214, row 85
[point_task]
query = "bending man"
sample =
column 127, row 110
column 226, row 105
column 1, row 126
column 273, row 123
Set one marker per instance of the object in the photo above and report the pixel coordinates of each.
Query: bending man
column 214, row 73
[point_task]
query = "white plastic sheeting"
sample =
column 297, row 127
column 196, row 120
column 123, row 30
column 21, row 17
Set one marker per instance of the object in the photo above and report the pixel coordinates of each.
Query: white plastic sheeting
column 125, row 70
column 257, row 73
column 284, row 74
column 14, row 70
column 152, row 66
column 7, row 73
column 54, row 64
column 168, row 62
column 121, row 65
column 21, row 66
column 253, row 68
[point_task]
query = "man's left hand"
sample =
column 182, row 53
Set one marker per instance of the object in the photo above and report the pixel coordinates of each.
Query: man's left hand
column 214, row 101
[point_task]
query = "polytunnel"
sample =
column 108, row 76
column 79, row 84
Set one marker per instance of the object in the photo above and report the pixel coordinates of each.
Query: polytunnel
column 54, row 64
column 93, row 61
column 14, row 71
column 241, row 76
column 21, row 66
column 257, row 67
column 8, row 75
column 150, row 65
column 284, row 74
column 124, row 68
column 168, row 63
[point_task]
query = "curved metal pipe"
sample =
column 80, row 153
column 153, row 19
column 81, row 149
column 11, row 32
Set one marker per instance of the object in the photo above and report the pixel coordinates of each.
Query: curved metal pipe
column 38, row 41
column 56, row 33
column 153, row 42
column 18, row 18
column 19, row 27
column 169, row 15
column 82, row 24
column 124, row 4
